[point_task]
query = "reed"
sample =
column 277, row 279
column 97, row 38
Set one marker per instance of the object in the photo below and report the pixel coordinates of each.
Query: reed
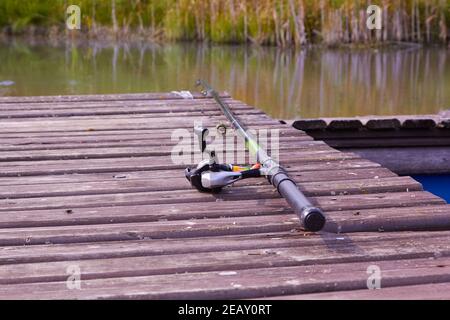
column 272, row 22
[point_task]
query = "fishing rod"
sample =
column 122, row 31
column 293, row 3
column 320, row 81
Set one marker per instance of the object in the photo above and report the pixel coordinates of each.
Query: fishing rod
column 211, row 177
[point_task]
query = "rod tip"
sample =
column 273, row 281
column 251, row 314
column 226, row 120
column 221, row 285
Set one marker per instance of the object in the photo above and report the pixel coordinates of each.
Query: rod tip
column 313, row 219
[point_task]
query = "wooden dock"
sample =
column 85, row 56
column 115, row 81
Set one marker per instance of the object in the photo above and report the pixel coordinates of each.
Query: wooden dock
column 88, row 189
column 389, row 140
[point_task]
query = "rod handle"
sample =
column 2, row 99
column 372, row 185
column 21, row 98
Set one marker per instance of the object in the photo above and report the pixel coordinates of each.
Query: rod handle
column 313, row 219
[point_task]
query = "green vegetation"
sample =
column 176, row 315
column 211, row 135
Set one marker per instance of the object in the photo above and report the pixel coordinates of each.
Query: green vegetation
column 273, row 22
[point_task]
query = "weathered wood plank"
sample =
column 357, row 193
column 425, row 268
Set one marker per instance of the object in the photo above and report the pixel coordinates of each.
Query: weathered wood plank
column 125, row 135
column 129, row 123
column 156, row 247
column 125, row 122
column 362, row 186
column 156, row 106
column 391, row 142
column 134, row 211
column 390, row 219
column 45, row 167
column 164, row 148
column 181, row 228
column 18, row 144
column 252, row 115
column 419, row 123
column 387, row 123
column 328, row 123
column 144, row 230
column 434, row 291
column 155, row 192
column 91, row 213
column 310, row 124
column 117, row 172
column 78, row 179
column 369, row 122
column 379, row 134
column 250, row 283
column 109, row 113
column 58, row 105
column 332, row 253
column 102, row 97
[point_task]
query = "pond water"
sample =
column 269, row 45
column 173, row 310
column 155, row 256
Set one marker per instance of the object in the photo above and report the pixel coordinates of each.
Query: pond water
column 286, row 84
column 436, row 184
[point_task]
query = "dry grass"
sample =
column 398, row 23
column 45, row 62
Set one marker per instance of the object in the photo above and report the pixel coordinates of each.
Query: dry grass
column 273, row 22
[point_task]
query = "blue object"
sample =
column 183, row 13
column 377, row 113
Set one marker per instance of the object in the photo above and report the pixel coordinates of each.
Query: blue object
column 6, row 83
column 436, row 184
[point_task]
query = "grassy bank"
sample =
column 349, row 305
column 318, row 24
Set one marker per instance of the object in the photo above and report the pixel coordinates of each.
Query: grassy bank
column 282, row 22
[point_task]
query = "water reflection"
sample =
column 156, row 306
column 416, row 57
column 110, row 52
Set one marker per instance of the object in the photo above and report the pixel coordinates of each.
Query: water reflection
column 286, row 84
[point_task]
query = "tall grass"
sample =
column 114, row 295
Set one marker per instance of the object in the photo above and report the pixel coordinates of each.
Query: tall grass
column 273, row 22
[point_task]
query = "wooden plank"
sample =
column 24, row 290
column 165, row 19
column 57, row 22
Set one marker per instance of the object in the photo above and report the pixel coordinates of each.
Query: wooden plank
column 333, row 253
column 93, row 113
column 419, row 123
column 113, row 231
column 156, row 106
column 15, row 143
column 433, row 291
column 345, row 182
column 187, row 157
column 289, row 143
column 252, row 115
column 390, row 219
column 93, row 120
column 156, row 247
column 102, row 97
column 75, row 179
column 45, row 167
column 126, row 135
column 369, row 122
column 118, row 170
column 91, row 212
column 147, row 230
column 134, row 211
column 293, row 168
column 155, row 192
column 392, row 142
column 378, row 134
column 250, row 283
column 328, row 123
column 58, row 124
column 382, row 124
column 344, row 124
column 309, row 124
column 164, row 148
column 59, row 105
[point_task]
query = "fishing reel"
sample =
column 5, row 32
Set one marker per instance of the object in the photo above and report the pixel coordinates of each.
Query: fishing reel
column 212, row 177
column 209, row 176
